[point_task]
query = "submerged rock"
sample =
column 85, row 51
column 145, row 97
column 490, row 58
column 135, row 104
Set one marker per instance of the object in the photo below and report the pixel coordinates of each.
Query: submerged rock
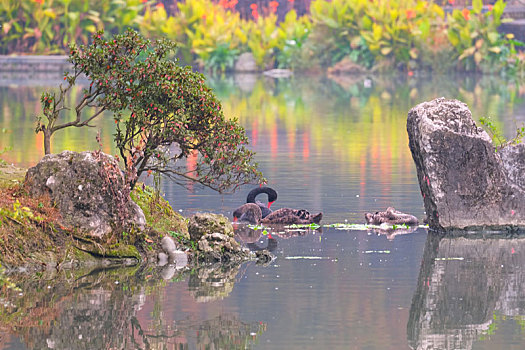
column 89, row 190
column 465, row 183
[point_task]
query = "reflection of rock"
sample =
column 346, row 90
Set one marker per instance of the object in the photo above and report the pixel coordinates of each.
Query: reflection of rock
column 278, row 73
column 213, row 282
column 93, row 311
column 391, row 232
column 246, row 81
column 227, row 332
column 105, row 310
column 220, row 332
column 89, row 190
column 246, row 234
column 464, row 182
column 463, row 282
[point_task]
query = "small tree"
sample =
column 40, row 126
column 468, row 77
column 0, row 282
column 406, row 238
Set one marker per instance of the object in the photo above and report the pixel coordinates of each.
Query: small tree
column 164, row 113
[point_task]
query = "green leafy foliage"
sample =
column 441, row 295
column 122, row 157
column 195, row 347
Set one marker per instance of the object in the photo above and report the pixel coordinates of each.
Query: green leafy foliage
column 497, row 137
column 165, row 113
column 380, row 35
column 475, row 37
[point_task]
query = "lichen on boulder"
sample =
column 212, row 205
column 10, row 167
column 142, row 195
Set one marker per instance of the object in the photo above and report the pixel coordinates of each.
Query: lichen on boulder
column 89, row 190
column 465, row 183
column 204, row 223
column 215, row 247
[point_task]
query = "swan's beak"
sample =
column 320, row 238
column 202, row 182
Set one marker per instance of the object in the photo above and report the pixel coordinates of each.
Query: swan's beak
column 234, row 219
column 269, row 204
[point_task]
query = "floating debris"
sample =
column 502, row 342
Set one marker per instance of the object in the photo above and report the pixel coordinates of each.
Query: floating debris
column 307, row 258
column 446, row 259
column 312, row 226
column 365, row 227
column 377, row 251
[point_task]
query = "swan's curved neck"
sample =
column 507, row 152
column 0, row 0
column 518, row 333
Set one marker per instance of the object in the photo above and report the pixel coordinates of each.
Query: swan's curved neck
column 272, row 194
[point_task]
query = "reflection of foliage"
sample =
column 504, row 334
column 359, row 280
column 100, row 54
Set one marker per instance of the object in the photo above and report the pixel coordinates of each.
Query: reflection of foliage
column 5, row 149
column 315, row 106
column 100, row 309
column 5, row 283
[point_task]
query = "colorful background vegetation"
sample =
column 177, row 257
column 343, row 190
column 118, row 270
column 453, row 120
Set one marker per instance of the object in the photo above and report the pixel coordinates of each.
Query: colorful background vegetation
column 382, row 35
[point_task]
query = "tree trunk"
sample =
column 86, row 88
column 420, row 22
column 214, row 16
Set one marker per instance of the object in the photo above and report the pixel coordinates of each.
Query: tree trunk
column 47, row 141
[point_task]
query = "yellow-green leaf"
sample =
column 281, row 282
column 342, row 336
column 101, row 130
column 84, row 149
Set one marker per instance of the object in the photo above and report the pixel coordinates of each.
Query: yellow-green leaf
column 468, row 52
column 50, row 13
column 386, row 50
column 413, row 53
column 493, row 37
column 377, row 31
column 478, row 57
column 477, row 5
column 453, row 38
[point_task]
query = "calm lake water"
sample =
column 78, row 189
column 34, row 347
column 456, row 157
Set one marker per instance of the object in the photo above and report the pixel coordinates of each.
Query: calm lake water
column 336, row 145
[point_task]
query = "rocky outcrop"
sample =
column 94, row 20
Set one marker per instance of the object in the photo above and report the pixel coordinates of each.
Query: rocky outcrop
column 204, row 223
column 465, row 183
column 89, row 190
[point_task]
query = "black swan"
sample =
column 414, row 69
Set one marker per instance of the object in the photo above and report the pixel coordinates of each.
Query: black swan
column 287, row 216
column 392, row 217
column 248, row 213
column 272, row 197
column 251, row 213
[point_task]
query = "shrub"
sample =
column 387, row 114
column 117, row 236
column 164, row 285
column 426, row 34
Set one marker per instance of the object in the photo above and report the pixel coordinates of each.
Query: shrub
column 164, row 113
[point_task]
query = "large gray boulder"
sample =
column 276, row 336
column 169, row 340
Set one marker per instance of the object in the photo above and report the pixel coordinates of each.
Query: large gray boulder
column 246, row 63
column 465, row 183
column 89, row 190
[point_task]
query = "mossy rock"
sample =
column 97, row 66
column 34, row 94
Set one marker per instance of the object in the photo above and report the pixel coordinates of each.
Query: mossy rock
column 118, row 250
column 204, row 223
column 160, row 216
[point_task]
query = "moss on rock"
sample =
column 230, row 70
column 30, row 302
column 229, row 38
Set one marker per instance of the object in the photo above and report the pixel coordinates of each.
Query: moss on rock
column 160, row 216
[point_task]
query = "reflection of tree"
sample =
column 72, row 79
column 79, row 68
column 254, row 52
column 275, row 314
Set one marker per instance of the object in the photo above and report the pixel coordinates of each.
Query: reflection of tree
column 213, row 282
column 306, row 108
column 99, row 310
column 221, row 332
column 463, row 283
